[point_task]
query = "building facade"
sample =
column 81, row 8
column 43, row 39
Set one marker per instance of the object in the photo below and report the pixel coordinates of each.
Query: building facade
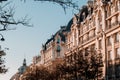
column 37, row 60
column 97, row 26
column 54, row 49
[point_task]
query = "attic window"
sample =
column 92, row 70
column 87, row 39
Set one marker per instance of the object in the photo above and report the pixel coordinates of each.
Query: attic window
column 58, row 40
column 83, row 15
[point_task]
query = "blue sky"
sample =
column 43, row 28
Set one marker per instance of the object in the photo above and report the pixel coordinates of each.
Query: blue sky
column 25, row 42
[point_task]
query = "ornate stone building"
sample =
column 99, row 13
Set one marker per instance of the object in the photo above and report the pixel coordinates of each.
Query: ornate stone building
column 55, row 47
column 97, row 26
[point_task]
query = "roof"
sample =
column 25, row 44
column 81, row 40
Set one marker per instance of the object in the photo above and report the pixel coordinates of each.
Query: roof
column 83, row 13
column 69, row 25
column 60, row 33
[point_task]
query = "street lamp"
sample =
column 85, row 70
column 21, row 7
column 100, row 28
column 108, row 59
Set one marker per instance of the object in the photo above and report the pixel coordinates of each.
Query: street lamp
column 2, row 0
column 2, row 39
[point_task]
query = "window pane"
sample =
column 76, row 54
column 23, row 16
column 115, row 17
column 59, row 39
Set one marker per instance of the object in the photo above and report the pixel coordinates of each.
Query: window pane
column 109, row 40
column 118, row 52
column 58, row 48
column 110, row 55
column 100, row 44
column 58, row 40
column 117, row 37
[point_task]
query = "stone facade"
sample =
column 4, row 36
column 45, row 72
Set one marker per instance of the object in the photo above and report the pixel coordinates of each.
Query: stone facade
column 54, row 48
column 96, row 26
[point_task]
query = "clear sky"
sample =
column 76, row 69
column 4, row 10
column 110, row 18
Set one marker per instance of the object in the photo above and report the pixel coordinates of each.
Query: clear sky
column 25, row 42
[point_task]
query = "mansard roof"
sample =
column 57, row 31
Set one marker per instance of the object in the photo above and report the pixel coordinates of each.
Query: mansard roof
column 69, row 25
column 49, row 40
column 60, row 33
column 83, row 13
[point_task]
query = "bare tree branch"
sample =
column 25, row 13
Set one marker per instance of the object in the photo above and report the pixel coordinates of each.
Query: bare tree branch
column 7, row 17
column 63, row 3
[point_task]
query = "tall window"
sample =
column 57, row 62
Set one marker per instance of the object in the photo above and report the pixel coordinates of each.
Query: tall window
column 100, row 21
column 93, row 47
column 110, row 55
column 117, row 52
column 109, row 40
column 58, row 48
column 100, row 44
column 117, row 36
column 58, row 40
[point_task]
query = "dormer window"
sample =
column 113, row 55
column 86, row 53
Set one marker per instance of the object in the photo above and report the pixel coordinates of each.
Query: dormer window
column 91, row 11
column 83, row 15
column 58, row 40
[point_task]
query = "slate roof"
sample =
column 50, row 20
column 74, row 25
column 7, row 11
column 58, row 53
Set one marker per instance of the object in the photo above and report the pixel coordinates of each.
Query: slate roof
column 60, row 33
column 83, row 10
column 69, row 25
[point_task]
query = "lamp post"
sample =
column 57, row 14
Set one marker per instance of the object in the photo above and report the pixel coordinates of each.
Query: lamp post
column 2, row 38
column 2, row 0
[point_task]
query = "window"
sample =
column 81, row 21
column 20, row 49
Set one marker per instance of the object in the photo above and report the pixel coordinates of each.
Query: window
column 93, row 47
column 117, row 52
column 58, row 48
column 109, row 41
column 110, row 55
column 86, row 51
column 100, row 21
column 58, row 40
column 100, row 44
column 83, row 15
column 117, row 37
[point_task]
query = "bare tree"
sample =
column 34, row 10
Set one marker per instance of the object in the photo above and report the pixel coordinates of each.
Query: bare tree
column 63, row 3
column 6, row 19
